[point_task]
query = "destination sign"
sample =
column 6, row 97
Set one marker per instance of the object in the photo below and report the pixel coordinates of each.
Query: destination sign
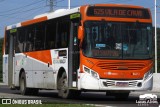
column 119, row 12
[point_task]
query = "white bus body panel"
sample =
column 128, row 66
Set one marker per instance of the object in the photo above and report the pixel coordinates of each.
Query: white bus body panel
column 5, row 69
column 50, row 15
column 90, row 83
column 38, row 73
column 23, row 62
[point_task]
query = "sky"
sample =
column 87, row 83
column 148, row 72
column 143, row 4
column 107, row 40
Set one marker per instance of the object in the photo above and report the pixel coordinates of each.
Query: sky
column 15, row 11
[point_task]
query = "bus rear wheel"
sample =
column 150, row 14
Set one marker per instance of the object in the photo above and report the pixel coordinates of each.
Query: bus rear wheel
column 63, row 90
column 22, row 82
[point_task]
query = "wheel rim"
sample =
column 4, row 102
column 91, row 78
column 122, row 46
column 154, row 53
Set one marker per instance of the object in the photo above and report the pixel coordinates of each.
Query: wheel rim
column 22, row 85
column 64, row 85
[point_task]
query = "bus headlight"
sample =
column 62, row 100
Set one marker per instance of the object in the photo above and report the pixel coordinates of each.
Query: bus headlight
column 94, row 74
column 91, row 72
column 149, row 73
column 86, row 69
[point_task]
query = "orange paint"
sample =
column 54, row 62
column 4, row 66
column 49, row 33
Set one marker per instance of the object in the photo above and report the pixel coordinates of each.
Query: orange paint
column 43, row 56
column 29, row 22
column 115, row 69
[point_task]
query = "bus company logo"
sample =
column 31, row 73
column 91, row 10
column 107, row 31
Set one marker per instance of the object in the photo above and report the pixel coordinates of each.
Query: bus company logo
column 147, row 100
column 59, row 61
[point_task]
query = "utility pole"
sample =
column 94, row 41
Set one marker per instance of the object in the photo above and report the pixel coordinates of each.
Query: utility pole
column 155, row 36
column 51, row 4
column 69, row 4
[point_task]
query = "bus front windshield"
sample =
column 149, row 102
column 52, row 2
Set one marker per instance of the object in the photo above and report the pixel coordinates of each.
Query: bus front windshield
column 117, row 40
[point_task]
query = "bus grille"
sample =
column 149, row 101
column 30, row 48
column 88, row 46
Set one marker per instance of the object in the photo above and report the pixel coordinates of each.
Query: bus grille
column 121, row 66
column 113, row 83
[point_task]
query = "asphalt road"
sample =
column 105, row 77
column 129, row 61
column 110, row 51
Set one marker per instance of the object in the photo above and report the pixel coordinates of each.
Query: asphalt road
column 96, row 98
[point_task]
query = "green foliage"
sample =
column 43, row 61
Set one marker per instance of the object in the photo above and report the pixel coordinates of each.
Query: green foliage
column 1, row 44
column 158, row 49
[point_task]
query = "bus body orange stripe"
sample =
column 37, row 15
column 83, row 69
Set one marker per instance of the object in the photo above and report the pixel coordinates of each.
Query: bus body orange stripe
column 43, row 56
column 29, row 22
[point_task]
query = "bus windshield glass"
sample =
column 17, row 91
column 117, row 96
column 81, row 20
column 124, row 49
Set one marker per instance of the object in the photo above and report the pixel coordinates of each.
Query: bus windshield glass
column 117, row 40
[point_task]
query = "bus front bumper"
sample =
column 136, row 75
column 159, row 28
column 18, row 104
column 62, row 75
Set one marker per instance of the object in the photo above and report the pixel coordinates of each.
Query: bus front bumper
column 87, row 82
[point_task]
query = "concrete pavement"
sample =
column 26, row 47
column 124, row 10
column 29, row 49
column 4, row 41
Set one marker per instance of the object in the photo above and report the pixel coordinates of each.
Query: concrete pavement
column 156, row 82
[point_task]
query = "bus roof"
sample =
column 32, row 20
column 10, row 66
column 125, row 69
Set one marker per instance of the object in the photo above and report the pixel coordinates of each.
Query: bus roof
column 45, row 16
column 63, row 12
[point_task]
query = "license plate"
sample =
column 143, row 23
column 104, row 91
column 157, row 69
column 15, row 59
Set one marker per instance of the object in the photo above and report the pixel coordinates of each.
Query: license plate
column 122, row 84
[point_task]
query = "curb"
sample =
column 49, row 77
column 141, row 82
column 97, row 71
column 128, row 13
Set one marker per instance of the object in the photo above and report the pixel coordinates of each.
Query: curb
column 2, row 84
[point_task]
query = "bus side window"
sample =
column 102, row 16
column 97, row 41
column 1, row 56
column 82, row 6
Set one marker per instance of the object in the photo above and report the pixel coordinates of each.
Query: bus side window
column 29, row 39
column 20, row 40
column 63, row 34
column 50, row 34
column 39, row 36
column 7, row 42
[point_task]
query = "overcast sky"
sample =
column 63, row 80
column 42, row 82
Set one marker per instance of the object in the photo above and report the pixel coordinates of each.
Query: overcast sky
column 14, row 11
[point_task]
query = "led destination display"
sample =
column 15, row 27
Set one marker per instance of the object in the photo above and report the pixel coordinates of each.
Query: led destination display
column 119, row 12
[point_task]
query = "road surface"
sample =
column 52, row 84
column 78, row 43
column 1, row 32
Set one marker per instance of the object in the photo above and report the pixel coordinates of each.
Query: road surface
column 96, row 98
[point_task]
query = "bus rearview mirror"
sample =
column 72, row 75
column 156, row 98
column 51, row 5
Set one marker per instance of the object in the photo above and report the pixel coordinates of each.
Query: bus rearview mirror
column 80, row 32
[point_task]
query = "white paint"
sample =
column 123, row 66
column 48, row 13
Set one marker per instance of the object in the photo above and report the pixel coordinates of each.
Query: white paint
column 74, row 83
column 58, row 13
column 91, row 83
column 50, row 15
column 156, row 82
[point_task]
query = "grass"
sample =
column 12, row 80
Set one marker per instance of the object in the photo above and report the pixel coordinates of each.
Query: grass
column 49, row 105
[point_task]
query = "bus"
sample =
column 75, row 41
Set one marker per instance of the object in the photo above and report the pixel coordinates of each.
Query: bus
column 101, row 47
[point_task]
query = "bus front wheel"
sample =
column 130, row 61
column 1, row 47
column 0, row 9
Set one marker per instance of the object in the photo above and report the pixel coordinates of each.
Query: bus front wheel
column 63, row 90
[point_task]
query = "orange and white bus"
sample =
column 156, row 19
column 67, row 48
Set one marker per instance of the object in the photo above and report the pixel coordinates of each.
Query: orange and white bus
column 101, row 47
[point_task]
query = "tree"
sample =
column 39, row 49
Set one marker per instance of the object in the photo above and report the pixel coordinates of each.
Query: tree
column 1, row 44
column 158, row 49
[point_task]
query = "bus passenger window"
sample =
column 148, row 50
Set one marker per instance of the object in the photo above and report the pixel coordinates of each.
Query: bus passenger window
column 63, row 34
column 51, row 27
column 51, row 44
column 64, row 42
column 29, row 45
column 7, row 42
column 39, row 36
column 20, row 40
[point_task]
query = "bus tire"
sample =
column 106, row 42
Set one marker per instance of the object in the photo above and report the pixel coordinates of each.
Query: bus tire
column 63, row 90
column 122, row 96
column 34, row 91
column 22, row 83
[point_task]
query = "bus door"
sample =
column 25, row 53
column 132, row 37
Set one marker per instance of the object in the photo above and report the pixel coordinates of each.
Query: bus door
column 73, row 54
column 11, row 58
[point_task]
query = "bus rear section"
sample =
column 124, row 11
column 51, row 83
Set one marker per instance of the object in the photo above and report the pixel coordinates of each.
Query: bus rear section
column 102, row 47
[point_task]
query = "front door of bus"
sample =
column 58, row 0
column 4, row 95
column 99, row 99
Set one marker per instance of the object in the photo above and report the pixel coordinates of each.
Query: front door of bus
column 73, row 55
column 11, row 59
